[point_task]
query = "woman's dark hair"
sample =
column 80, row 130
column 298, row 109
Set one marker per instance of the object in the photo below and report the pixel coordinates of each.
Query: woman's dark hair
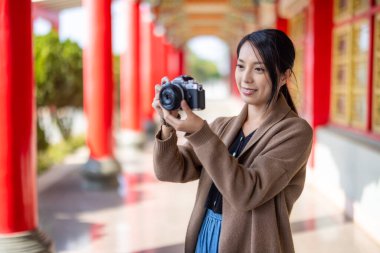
column 277, row 51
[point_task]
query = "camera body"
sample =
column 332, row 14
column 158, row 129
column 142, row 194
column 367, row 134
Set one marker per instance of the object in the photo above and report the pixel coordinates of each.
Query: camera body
column 182, row 87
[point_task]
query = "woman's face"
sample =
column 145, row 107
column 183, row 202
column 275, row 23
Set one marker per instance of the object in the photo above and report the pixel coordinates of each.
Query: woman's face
column 252, row 77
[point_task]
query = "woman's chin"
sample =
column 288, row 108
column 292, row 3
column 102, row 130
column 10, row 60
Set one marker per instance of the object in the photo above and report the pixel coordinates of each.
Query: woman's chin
column 253, row 101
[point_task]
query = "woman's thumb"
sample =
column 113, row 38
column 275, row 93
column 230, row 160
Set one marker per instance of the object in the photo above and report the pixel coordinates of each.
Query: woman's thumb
column 185, row 107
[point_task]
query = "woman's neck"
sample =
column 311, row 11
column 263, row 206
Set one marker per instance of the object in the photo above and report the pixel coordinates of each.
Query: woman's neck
column 255, row 118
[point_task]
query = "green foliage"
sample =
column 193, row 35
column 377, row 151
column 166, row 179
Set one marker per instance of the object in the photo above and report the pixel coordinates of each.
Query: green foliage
column 116, row 69
column 55, row 154
column 116, row 78
column 58, row 77
column 58, row 71
column 42, row 143
column 201, row 69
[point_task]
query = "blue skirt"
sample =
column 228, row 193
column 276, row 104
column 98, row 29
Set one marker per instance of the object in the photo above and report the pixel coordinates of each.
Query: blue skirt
column 208, row 238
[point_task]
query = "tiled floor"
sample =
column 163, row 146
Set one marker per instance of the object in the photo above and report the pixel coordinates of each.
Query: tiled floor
column 147, row 216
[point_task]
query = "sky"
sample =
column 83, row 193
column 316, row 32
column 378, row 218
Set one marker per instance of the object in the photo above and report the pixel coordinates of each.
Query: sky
column 72, row 26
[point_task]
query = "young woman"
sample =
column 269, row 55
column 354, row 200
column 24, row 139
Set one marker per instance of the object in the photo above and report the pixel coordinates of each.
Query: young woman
column 251, row 167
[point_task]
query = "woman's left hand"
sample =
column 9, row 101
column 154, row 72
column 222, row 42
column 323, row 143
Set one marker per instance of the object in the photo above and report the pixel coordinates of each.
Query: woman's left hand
column 191, row 124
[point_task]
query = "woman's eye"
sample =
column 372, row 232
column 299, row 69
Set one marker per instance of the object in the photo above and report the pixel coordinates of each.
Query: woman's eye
column 259, row 70
column 239, row 66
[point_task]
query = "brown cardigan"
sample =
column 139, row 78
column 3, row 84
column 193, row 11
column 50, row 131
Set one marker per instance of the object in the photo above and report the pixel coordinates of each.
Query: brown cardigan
column 259, row 187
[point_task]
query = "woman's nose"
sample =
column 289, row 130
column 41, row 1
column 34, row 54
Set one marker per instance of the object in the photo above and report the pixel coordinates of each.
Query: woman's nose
column 247, row 76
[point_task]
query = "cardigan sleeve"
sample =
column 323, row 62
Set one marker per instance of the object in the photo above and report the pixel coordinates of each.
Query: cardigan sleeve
column 246, row 188
column 174, row 163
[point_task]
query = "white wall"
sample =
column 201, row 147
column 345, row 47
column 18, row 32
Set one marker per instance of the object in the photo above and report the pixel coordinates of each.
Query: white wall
column 347, row 170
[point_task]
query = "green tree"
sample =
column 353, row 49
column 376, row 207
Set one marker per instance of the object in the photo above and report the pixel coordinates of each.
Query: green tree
column 201, row 69
column 116, row 81
column 58, row 76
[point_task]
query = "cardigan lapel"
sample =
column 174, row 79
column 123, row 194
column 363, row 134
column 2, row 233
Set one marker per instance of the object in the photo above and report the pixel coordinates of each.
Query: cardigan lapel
column 233, row 127
column 280, row 110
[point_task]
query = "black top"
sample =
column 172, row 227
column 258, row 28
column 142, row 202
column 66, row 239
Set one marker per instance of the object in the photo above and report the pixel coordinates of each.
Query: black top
column 215, row 198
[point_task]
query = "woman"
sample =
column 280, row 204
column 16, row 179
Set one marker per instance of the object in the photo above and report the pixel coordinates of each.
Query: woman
column 251, row 167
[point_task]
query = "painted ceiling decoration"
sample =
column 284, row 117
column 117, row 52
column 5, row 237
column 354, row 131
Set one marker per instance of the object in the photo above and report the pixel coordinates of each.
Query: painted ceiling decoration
column 184, row 19
column 57, row 5
column 227, row 19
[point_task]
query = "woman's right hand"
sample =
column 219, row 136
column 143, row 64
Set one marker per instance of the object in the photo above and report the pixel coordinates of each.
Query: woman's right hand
column 157, row 105
column 156, row 101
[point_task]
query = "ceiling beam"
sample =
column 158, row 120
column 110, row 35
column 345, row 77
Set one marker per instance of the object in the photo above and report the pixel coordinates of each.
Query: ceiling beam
column 57, row 5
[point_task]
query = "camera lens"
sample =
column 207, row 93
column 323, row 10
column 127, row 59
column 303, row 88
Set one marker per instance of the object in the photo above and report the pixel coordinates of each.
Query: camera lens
column 170, row 97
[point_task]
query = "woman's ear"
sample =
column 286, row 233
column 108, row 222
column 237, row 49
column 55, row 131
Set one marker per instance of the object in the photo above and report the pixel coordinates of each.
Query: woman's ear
column 285, row 77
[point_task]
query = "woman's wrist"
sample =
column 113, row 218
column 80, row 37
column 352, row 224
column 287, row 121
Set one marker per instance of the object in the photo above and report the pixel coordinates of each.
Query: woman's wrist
column 166, row 131
column 164, row 123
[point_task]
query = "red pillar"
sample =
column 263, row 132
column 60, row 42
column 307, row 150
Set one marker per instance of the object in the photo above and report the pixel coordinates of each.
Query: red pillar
column 234, row 88
column 17, row 130
column 18, row 208
column 159, row 58
column 97, row 76
column 170, row 52
column 146, row 64
column 173, row 61
column 166, row 51
column 181, row 59
column 281, row 23
column 130, row 70
column 318, row 64
column 98, row 89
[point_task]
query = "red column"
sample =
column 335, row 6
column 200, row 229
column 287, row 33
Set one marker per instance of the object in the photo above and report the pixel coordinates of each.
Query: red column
column 370, row 74
column 181, row 59
column 146, row 70
column 159, row 58
column 234, row 88
column 318, row 63
column 173, row 61
column 170, row 52
column 130, row 70
column 281, row 23
column 18, row 206
column 165, row 52
column 97, row 77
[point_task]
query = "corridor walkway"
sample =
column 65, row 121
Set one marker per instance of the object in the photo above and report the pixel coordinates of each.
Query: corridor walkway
column 147, row 216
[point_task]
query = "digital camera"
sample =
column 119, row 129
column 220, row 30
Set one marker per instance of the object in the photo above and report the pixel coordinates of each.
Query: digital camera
column 182, row 87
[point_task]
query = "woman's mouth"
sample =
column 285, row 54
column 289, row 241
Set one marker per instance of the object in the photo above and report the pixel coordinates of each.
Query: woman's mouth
column 247, row 91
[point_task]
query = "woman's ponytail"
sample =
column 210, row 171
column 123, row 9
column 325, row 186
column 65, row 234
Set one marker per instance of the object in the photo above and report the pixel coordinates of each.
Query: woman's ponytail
column 284, row 90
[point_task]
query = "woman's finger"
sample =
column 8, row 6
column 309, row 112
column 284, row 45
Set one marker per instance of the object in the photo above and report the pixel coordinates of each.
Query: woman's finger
column 157, row 89
column 186, row 108
column 166, row 113
column 156, row 105
column 174, row 121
